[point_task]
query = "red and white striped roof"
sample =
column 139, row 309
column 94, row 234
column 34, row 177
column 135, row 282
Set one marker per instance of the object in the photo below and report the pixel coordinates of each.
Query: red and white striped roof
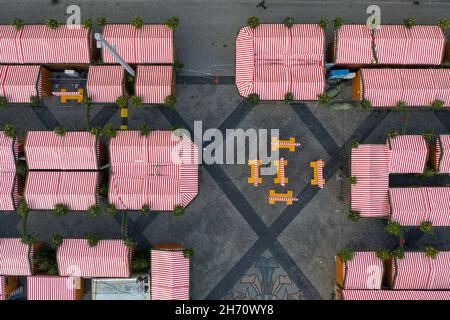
column 8, row 153
column 415, row 87
column 105, row 83
column 51, row 288
column 407, row 154
column 153, row 83
column 369, row 196
column 421, row 45
column 169, row 275
column 409, row 206
column 40, row 44
column 108, row 259
column 74, row 151
column 245, row 61
column 439, row 278
column 443, row 153
column 439, row 204
column 353, row 44
column 15, row 257
column 2, row 288
column 363, row 271
column 8, row 191
column 272, row 60
column 19, row 83
column 150, row 44
column 159, row 170
column 394, row 295
column 76, row 189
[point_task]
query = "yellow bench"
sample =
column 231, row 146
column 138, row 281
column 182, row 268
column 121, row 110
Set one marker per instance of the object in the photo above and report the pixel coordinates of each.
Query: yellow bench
column 287, row 197
column 281, row 176
column 78, row 97
column 286, row 144
column 318, row 179
column 254, row 179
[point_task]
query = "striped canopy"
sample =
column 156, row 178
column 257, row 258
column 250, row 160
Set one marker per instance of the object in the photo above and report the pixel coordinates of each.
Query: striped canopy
column 421, row 45
column 363, row 271
column 108, row 259
column 407, row 154
column 369, row 196
column 2, row 288
column 40, row 44
column 272, row 60
column 76, row 189
column 19, row 83
column 46, row 150
column 8, row 153
column 169, row 275
column 417, row 271
column 153, row 83
column 159, row 170
column 353, row 44
column 415, row 87
column 8, row 183
column 51, row 288
column 149, row 44
column 394, row 295
column 443, row 153
column 15, row 257
column 105, row 83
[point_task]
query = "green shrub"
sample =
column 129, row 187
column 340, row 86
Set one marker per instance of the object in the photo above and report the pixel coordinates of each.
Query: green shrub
column 383, row 254
column 401, row 106
column 437, row 105
column 427, row 173
column 128, row 242
column 136, row 101
column 45, row 260
column 393, row 133
column 288, row 22
column 324, row 99
column 110, row 209
column 426, row 227
column 323, row 22
column 59, row 131
column 95, row 131
column 393, row 228
column 170, row 101
column 92, row 239
column 428, row 136
column 188, row 252
column 21, row 169
column 338, row 22
column 57, row 241
column 398, row 253
column 88, row 23
column 178, row 66
column 94, row 210
column 354, row 215
column 253, row 22
column 137, row 22
column 178, row 210
column 9, row 131
column 35, row 101
column 409, row 22
column 355, row 144
column 141, row 261
column 17, row 23
column 60, row 209
column 352, row 180
column 145, row 210
column 22, row 208
column 443, row 23
column 101, row 22
column 431, row 252
column 289, row 98
column 144, row 130
column 172, row 23
column 87, row 101
column 3, row 102
column 109, row 131
column 253, row 98
column 346, row 254
column 365, row 105
column 122, row 101
column 52, row 23
column 28, row 239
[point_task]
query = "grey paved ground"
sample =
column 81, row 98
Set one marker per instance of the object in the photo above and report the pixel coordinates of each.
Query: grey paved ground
column 244, row 248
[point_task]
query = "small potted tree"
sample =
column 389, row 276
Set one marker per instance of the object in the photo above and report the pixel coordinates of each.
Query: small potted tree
column 92, row 239
column 170, row 101
column 88, row 23
column 145, row 210
column 60, row 209
column 109, row 131
column 94, row 210
column 144, row 130
column 9, row 131
column 188, row 253
column 59, row 131
column 52, row 24
column 172, row 23
column 110, row 209
column 431, row 252
column 253, row 22
column 409, row 22
column 3, row 102
column 22, row 208
column 346, row 254
column 101, row 22
column 365, row 105
column 253, row 98
column 136, row 102
column 383, row 254
column 17, row 23
column 178, row 210
column 288, row 22
column 323, row 22
column 393, row 228
column 289, row 98
column 354, row 215
column 137, row 22
column 338, row 22
column 57, row 241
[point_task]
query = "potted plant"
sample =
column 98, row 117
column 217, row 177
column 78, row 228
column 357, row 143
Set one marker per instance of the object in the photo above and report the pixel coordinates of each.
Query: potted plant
column 338, row 22
column 57, row 241
column 383, row 254
column 437, row 105
column 365, row 105
column 28, row 239
column 59, row 131
column 9, row 131
column 21, row 169
column 60, row 209
column 409, row 22
column 253, row 22
column 137, row 22
column 289, row 98
column 88, row 23
column 122, row 101
column 178, row 210
column 45, row 260
column 110, row 209
column 443, row 23
column 426, row 227
column 92, row 239
column 354, row 215
column 431, row 252
column 129, row 242
column 346, row 254
column 95, row 131
column 172, row 23
column 393, row 228
column 188, row 252
column 253, row 98
column 170, row 101
column 352, row 180
column 324, row 99
column 145, row 210
column 136, row 101
column 144, row 130
column 178, row 66
column 101, row 22
column 35, row 101
column 3, row 102
column 22, row 208
column 393, row 133
column 398, row 253
column 109, row 131
column 288, row 22
column 323, row 22
column 355, row 144
column 52, row 24
column 94, row 210
column 17, row 23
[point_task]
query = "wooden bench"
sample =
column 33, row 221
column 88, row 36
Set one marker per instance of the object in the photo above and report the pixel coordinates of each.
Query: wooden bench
column 78, row 96
column 254, row 179
column 286, row 144
column 281, row 176
column 287, row 197
column 318, row 179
